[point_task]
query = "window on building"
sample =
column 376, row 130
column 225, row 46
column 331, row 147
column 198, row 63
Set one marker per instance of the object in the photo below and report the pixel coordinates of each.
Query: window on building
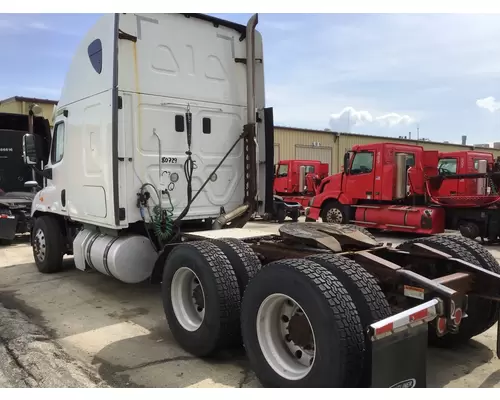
column 447, row 166
column 362, row 163
column 57, row 150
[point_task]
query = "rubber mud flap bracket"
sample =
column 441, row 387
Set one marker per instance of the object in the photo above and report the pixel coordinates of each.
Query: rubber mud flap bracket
column 400, row 359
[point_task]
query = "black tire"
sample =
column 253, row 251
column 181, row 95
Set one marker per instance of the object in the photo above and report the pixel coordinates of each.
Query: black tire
column 54, row 245
column 220, row 326
column 6, row 242
column 295, row 214
column 243, row 259
column 331, row 312
column 335, row 213
column 479, row 310
column 485, row 260
column 367, row 295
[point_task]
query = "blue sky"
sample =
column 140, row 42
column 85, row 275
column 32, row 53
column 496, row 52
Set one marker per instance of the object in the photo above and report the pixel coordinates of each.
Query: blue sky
column 368, row 73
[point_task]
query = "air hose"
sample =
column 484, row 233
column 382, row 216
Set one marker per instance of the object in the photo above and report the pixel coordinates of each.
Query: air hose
column 160, row 218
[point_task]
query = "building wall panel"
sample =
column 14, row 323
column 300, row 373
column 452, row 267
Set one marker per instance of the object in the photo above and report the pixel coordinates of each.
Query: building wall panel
column 323, row 154
column 290, row 139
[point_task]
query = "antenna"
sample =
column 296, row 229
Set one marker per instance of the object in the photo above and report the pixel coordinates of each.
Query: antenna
column 418, row 131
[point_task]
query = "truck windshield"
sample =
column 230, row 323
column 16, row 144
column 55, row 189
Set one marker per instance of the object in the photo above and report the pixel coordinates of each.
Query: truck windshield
column 282, row 171
column 447, row 166
column 362, row 163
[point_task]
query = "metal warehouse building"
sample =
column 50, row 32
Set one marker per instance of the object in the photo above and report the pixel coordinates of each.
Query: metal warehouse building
column 329, row 147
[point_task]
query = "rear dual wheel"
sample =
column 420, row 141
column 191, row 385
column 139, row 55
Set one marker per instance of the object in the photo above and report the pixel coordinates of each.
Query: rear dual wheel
column 301, row 321
column 202, row 286
column 301, row 327
column 482, row 313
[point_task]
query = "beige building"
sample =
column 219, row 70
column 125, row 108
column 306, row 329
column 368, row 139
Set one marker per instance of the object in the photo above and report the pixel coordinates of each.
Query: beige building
column 289, row 143
column 329, row 147
column 20, row 105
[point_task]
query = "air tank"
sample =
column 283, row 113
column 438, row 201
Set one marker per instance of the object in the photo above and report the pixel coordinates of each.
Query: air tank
column 129, row 259
column 400, row 189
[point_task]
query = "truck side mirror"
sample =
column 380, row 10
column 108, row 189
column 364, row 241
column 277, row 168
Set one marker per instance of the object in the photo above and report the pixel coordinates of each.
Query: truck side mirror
column 31, row 185
column 347, row 156
column 29, row 149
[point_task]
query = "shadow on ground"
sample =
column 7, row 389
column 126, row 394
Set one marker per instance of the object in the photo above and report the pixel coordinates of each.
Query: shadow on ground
column 446, row 365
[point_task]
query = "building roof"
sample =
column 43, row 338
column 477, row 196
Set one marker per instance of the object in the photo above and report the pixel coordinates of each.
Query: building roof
column 29, row 100
column 382, row 138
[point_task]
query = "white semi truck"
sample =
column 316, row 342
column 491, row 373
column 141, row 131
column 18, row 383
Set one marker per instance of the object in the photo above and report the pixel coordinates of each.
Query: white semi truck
column 162, row 149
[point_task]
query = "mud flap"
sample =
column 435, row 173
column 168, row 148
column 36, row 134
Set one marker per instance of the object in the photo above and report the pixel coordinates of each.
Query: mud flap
column 399, row 347
column 400, row 360
column 8, row 227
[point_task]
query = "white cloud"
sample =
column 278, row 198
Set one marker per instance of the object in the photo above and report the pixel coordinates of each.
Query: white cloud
column 349, row 118
column 393, row 119
column 488, row 103
column 39, row 25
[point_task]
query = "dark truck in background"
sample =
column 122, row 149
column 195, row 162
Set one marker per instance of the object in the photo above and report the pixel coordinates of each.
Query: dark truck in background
column 18, row 183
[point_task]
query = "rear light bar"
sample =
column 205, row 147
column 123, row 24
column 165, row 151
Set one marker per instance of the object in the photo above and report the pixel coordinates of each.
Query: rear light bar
column 418, row 315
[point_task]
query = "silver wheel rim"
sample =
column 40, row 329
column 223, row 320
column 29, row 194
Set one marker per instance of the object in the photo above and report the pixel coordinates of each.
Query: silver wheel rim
column 40, row 245
column 188, row 299
column 289, row 357
column 334, row 215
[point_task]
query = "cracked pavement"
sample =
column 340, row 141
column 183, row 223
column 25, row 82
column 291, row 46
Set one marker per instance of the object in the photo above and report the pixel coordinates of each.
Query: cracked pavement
column 76, row 329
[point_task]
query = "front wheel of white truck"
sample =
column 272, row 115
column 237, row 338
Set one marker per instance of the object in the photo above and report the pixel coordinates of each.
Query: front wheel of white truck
column 48, row 244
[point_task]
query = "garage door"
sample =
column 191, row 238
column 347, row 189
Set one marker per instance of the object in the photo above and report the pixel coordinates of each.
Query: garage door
column 323, row 154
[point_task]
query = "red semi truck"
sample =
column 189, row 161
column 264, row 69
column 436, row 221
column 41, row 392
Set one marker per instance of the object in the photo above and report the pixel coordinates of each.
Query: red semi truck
column 298, row 180
column 405, row 188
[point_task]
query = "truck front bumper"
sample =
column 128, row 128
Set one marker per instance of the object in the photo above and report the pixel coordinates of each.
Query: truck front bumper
column 312, row 212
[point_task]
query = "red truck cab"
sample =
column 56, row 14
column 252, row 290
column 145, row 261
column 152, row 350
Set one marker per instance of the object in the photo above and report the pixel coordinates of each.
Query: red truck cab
column 288, row 176
column 461, row 162
column 368, row 176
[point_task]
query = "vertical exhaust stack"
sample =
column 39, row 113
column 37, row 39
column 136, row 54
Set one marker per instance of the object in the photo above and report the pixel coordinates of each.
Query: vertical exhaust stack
column 240, row 216
column 250, row 141
column 302, row 178
column 401, row 175
column 250, row 37
column 481, row 182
